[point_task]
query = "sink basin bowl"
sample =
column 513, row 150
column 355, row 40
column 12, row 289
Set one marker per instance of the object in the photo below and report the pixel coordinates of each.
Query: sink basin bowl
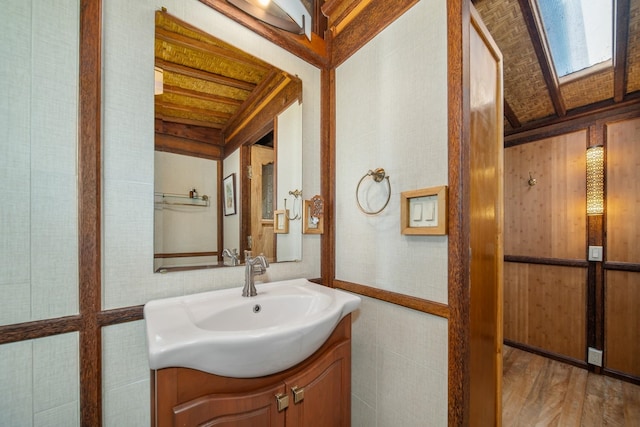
column 223, row 333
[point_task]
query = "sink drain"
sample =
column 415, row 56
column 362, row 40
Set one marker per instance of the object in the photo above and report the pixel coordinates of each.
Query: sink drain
column 257, row 308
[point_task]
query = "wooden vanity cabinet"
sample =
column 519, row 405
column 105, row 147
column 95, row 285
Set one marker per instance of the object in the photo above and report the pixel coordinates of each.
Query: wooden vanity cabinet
column 314, row 393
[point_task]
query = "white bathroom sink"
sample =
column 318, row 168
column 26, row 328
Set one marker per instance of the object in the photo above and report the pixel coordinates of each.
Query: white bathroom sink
column 223, row 333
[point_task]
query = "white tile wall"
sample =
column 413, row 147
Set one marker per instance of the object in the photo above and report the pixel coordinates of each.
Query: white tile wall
column 399, row 366
column 391, row 99
column 38, row 216
column 39, row 382
column 125, row 373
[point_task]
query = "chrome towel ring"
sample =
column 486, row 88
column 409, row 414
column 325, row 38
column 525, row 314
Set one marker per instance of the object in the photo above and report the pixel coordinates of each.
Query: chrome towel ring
column 378, row 175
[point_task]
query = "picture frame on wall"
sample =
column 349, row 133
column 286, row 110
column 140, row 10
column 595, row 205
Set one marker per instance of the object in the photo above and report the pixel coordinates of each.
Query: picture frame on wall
column 311, row 224
column 281, row 221
column 229, row 193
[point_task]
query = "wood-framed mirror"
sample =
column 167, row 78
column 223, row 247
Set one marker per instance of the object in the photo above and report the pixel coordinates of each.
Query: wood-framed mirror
column 214, row 99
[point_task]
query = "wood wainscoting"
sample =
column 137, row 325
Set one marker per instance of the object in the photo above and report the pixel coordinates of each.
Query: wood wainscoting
column 557, row 302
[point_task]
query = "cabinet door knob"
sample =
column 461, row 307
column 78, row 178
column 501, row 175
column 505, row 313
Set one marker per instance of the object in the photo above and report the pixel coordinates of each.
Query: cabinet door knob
column 298, row 394
column 283, row 401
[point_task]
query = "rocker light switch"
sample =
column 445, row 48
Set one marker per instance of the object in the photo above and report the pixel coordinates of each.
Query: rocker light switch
column 430, row 208
column 417, row 212
column 595, row 253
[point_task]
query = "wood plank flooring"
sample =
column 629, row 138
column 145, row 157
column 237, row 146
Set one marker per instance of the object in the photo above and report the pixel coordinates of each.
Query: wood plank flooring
column 537, row 391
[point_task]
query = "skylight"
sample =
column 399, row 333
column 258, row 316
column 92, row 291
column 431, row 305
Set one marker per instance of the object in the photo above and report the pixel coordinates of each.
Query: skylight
column 579, row 32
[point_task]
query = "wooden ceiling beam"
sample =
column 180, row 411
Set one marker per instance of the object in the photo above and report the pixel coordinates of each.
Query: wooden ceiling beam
column 190, row 122
column 205, row 134
column 204, row 75
column 620, row 41
column 510, row 115
column 204, row 96
column 193, row 110
column 208, row 49
column 545, row 62
column 374, row 17
column 576, row 119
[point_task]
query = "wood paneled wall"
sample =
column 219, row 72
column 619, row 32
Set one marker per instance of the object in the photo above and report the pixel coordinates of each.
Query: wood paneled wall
column 623, row 191
column 622, row 322
column 545, row 307
column 556, row 301
column 546, row 220
column 622, row 248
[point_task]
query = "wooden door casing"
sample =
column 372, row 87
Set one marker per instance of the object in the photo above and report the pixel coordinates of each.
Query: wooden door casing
column 486, row 225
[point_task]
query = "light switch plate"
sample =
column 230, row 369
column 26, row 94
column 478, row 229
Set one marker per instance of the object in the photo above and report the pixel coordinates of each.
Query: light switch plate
column 595, row 253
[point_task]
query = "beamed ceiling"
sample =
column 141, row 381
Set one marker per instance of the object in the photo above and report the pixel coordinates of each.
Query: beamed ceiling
column 212, row 85
column 532, row 94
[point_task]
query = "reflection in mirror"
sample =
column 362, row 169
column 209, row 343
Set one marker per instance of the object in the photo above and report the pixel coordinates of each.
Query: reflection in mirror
column 214, row 103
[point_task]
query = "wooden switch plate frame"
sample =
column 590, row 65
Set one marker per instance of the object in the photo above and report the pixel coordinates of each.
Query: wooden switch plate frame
column 441, row 193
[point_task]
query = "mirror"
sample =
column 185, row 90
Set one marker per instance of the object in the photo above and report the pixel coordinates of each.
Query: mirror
column 214, row 106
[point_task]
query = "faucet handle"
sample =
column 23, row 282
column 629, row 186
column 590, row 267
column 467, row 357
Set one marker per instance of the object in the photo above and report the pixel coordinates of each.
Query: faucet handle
column 264, row 259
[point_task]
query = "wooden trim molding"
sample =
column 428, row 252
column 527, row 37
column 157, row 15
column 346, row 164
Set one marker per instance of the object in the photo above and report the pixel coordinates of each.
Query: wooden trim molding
column 327, row 176
column 545, row 353
column 459, row 118
column 621, row 266
column 38, row 329
column 120, row 315
column 546, row 261
column 371, row 20
column 185, row 254
column 89, row 210
column 314, row 51
column 419, row 304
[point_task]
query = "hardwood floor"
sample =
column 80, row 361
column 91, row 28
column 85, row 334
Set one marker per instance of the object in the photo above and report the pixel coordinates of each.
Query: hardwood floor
column 537, row 391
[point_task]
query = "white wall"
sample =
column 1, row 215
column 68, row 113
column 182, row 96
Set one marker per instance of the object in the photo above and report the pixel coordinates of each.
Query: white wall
column 128, row 149
column 38, row 213
column 391, row 99
column 231, row 223
column 289, row 173
column 179, row 228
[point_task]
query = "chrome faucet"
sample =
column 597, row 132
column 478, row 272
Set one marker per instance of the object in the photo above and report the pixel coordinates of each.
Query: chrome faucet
column 230, row 258
column 253, row 267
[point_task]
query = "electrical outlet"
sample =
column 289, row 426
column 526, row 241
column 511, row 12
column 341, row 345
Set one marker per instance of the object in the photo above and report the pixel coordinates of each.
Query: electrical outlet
column 594, row 357
column 595, row 253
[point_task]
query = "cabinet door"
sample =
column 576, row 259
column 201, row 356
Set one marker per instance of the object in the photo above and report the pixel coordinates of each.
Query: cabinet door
column 324, row 391
column 255, row 409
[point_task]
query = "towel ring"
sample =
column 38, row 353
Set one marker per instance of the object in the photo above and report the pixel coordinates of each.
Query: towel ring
column 378, row 175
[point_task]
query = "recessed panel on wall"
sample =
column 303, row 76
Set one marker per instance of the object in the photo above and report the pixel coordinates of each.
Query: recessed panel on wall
column 38, row 118
column 623, row 191
column 40, row 382
column 544, row 307
column 546, row 218
column 622, row 322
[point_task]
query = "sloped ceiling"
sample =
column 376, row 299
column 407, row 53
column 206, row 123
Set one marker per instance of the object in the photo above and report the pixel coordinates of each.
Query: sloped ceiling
column 207, row 82
column 532, row 95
